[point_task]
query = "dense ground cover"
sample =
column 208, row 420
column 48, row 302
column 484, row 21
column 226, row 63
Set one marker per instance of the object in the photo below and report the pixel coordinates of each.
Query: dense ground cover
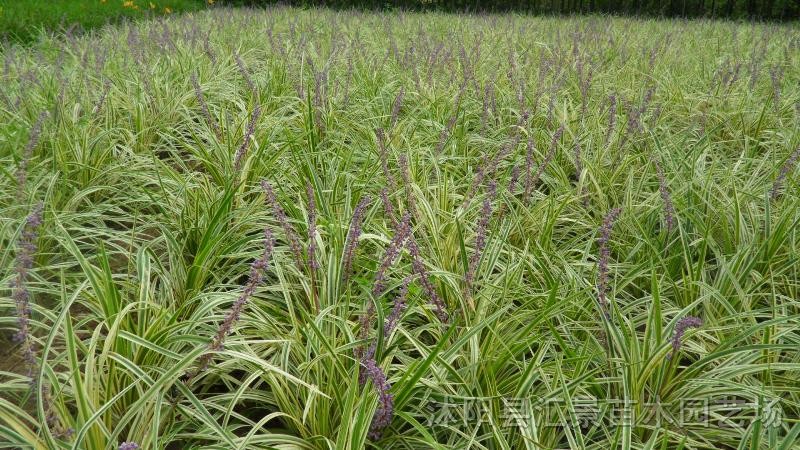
column 306, row 229
column 25, row 20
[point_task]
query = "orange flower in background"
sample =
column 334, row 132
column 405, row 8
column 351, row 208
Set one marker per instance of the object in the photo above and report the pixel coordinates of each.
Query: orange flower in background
column 128, row 4
column 168, row 10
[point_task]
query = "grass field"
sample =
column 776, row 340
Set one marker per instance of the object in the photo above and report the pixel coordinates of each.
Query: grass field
column 307, row 229
column 25, row 20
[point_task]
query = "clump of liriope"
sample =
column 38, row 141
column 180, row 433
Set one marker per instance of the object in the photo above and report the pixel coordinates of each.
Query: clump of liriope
column 401, row 232
column 680, row 329
column 370, row 369
column 257, row 270
column 418, row 266
column 389, row 325
column 604, row 257
column 359, row 82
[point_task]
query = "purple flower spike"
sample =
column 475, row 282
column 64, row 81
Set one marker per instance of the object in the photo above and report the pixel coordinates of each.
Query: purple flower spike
column 388, row 209
column 401, row 232
column 383, row 415
column 405, row 172
column 384, row 155
column 666, row 197
column 512, row 184
column 26, row 249
column 129, row 446
column 480, row 239
column 543, row 166
column 280, row 216
column 398, row 103
column 248, row 135
column 578, row 161
column 27, row 154
column 776, row 75
column 680, row 329
column 425, row 279
column 257, row 269
column 488, row 167
column 353, row 235
column 529, row 167
column 578, row 171
column 445, row 134
column 612, row 117
column 605, row 254
column 245, row 73
column 207, row 48
column 397, row 310
column 98, row 107
column 787, row 167
column 198, row 93
column 313, row 264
